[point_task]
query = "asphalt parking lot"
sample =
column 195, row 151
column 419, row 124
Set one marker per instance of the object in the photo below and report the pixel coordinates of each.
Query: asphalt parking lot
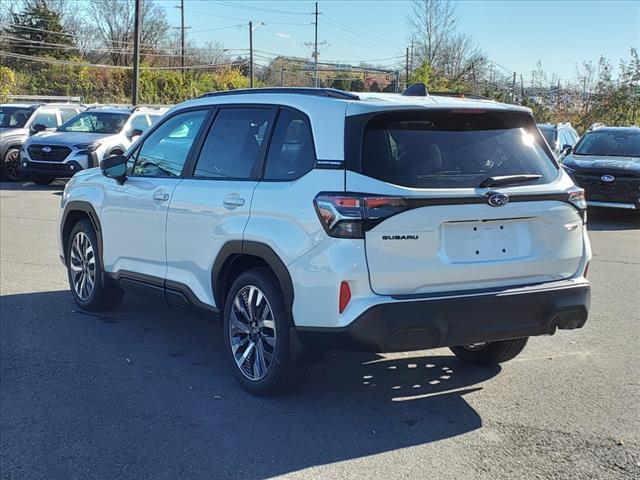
column 144, row 392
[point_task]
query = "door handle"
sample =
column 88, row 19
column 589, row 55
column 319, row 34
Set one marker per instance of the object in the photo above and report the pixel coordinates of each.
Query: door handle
column 160, row 197
column 233, row 201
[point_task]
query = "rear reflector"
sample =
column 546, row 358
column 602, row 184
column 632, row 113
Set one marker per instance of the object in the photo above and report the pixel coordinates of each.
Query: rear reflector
column 345, row 296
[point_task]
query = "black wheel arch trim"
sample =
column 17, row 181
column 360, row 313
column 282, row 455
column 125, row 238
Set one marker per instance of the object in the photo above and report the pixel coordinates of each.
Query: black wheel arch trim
column 234, row 249
column 86, row 207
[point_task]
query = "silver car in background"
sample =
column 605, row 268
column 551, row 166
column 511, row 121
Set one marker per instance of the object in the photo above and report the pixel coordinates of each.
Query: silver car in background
column 19, row 121
column 84, row 140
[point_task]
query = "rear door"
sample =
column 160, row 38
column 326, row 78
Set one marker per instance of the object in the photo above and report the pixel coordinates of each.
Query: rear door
column 211, row 206
column 446, row 233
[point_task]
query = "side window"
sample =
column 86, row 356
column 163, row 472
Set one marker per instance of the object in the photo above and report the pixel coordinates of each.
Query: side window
column 46, row 118
column 234, row 143
column 165, row 151
column 291, row 153
column 563, row 138
column 139, row 123
column 67, row 113
column 153, row 119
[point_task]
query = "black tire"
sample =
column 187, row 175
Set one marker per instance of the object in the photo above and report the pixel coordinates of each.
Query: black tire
column 40, row 179
column 491, row 353
column 281, row 374
column 102, row 296
column 10, row 164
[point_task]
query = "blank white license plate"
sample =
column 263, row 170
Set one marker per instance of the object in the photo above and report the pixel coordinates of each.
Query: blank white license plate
column 486, row 241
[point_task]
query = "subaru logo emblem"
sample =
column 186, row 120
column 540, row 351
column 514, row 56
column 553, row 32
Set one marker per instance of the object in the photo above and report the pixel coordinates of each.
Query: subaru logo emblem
column 498, row 199
column 607, row 178
column 46, row 149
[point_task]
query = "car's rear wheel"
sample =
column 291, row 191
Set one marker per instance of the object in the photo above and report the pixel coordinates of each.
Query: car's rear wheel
column 85, row 271
column 490, row 353
column 256, row 334
column 10, row 165
column 40, row 179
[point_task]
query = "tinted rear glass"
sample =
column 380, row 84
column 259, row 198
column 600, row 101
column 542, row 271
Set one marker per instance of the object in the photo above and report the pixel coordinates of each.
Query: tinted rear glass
column 611, row 143
column 453, row 150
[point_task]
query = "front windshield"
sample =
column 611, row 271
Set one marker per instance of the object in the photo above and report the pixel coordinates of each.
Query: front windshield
column 549, row 134
column 95, row 122
column 610, row 143
column 14, row 117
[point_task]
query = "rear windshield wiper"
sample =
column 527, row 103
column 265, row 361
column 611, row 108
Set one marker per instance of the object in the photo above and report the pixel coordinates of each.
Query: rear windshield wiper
column 508, row 180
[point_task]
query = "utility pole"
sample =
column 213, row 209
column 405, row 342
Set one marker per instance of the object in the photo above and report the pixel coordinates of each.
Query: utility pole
column 136, row 52
column 397, row 81
column 282, row 77
column 251, row 54
column 182, row 33
column 513, row 88
column 411, row 58
column 522, row 86
column 315, row 51
column 406, row 68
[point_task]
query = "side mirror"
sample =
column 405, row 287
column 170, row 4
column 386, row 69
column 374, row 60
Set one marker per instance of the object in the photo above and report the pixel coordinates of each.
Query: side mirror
column 37, row 128
column 115, row 167
column 136, row 132
column 566, row 149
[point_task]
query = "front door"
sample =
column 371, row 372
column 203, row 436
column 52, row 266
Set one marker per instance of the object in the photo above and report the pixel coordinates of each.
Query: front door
column 134, row 215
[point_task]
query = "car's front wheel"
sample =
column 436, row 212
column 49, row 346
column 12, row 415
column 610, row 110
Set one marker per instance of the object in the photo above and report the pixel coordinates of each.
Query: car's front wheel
column 256, row 334
column 84, row 270
column 10, row 165
column 490, row 353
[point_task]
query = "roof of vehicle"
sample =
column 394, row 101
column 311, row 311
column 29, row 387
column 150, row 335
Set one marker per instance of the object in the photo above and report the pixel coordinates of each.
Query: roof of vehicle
column 554, row 125
column 616, row 129
column 128, row 109
column 20, row 105
column 361, row 101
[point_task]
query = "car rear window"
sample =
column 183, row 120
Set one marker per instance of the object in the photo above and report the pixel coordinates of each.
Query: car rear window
column 453, row 149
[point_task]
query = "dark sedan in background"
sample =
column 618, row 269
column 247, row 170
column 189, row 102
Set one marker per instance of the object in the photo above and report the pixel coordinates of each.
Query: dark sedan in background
column 606, row 163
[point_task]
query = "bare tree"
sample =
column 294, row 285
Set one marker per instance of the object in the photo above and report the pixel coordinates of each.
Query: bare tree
column 113, row 22
column 432, row 23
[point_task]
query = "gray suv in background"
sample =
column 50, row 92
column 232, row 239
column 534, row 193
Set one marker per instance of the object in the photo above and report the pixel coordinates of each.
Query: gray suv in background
column 84, row 141
column 18, row 121
column 561, row 137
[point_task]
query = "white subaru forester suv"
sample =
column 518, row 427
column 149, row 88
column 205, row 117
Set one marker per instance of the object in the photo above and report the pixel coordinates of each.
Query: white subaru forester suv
column 315, row 220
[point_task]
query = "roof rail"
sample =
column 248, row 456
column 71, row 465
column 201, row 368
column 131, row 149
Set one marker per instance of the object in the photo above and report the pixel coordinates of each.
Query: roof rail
column 316, row 92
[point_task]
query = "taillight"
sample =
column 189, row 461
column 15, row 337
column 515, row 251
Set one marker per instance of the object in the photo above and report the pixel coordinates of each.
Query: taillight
column 351, row 215
column 577, row 199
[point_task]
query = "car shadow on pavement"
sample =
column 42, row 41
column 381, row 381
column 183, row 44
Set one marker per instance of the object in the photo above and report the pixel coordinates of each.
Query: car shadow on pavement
column 609, row 219
column 145, row 392
column 57, row 185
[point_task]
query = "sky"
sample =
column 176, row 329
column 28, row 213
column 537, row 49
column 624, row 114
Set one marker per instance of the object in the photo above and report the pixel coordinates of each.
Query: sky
column 514, row 34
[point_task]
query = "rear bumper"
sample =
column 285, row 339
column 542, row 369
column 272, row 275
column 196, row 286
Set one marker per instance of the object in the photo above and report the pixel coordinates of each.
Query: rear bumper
column 57, row 169
column 442, row 322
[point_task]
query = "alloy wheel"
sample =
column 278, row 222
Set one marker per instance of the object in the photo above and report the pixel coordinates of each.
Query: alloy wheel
column 11, row 163
column 252, row 333
column 82, row 264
